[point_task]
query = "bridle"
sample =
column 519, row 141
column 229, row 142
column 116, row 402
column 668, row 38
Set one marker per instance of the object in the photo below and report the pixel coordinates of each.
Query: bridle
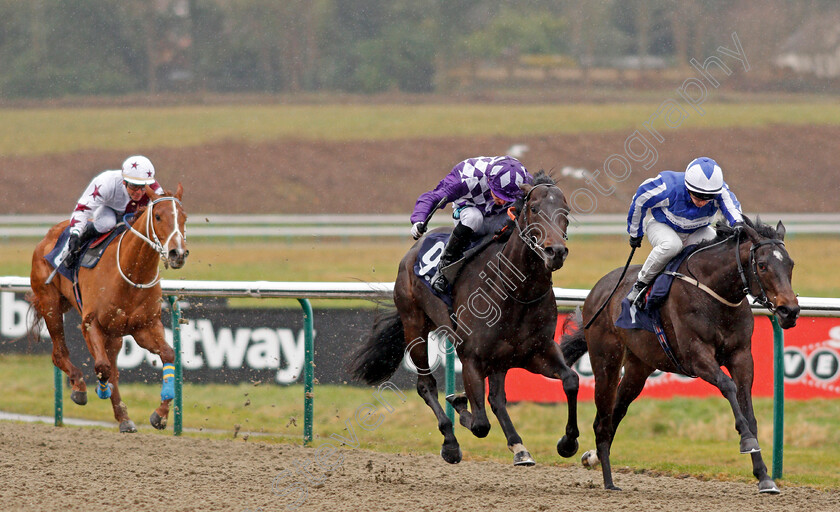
column 529, row 241
column 762, row 298
column 155, row 243
column 746, row 287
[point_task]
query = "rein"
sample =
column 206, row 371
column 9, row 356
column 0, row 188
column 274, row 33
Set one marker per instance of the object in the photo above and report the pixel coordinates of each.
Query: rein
column 155, row 244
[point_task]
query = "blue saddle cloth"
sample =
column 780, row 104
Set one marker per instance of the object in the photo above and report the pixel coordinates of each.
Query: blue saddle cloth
column 648, row 317
column 431, row 250
column 91, row 251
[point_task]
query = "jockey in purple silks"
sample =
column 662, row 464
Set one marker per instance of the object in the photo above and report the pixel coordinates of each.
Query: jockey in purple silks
column 682, row 205
column 481, row 188
column 109, row 195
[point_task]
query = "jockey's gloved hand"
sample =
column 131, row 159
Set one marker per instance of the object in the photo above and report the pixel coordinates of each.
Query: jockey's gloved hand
column 739, row 229
column 635, row 242
column 74, row 244
column 417, row 230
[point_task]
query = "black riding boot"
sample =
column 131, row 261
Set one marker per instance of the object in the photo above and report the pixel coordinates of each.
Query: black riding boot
column 636, row 295
column 453, row 252
column 89, row 233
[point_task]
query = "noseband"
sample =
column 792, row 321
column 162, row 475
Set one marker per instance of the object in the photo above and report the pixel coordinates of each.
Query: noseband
column 762, row 298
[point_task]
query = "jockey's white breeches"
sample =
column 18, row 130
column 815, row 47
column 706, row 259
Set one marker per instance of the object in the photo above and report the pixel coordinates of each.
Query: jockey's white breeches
column 474, row 219
column 667, row 243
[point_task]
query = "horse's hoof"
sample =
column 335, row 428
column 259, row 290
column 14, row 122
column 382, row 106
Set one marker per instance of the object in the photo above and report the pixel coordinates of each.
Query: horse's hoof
column 612, row 487
column 157, row 421
column 749, row 445
column 480, row 431
column 79, row 397
column 523, row 458
column 567, row 447
column 590, row 459
column 451, row 455
column 768, row 487
column 127, row 427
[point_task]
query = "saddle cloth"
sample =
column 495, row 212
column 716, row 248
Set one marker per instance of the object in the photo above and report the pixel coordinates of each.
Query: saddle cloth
column 431, row 250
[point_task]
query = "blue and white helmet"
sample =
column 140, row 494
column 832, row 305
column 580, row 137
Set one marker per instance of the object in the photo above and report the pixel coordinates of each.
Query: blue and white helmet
column 703, row 176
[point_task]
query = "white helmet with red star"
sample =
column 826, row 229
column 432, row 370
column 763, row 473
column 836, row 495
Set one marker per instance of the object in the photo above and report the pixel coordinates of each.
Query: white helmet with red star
column 138, row 170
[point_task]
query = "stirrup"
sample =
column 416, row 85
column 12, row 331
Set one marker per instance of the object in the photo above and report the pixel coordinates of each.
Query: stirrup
column 439, row 283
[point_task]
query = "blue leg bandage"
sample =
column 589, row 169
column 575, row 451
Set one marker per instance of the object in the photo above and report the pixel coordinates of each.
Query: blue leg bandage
column 167, row 391
column 103, row 390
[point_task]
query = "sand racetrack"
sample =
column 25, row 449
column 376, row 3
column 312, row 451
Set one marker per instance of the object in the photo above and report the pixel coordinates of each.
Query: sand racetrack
column 45, row 468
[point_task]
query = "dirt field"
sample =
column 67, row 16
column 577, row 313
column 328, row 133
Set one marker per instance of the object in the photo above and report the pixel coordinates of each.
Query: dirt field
column 45, row 468
column 784, row 168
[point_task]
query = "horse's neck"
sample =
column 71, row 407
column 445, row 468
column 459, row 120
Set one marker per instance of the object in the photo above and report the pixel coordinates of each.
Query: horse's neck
column 718, row 269
column 137, row 258
column 526, row 276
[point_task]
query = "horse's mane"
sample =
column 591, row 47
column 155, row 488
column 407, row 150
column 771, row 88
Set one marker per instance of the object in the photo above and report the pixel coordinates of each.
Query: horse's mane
column 724, row 231
column 541, row 178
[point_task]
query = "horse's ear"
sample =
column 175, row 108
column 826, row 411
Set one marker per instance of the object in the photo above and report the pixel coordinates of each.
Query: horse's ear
column 151, row 194
column 526, row 187
column 780, row 230
column 179, row 192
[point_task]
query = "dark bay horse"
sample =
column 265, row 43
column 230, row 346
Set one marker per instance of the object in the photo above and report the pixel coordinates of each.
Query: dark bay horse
column 704, row 331
column 121, row 296
column 503, row 316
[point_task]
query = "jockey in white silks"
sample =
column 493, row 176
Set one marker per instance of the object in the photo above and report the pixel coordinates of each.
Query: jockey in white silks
column 682, row 206
column 109, row 195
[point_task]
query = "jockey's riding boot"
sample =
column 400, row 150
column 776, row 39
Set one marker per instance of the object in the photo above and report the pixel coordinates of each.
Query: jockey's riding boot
column 89, row 233
column 453, row 252
column 636, row 295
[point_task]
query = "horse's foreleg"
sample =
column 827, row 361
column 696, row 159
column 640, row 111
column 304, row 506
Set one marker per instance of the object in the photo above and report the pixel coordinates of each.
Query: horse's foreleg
column 474, row 388
column 113, row 347
column 428, row 391
column 550, row 363
column 712, row 374
column 740, row 367
column 498, row 404
column 96, row 341
column 153, row 340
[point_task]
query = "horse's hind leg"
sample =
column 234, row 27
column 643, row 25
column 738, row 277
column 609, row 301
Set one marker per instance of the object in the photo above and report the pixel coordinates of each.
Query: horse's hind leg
column 154, row 340
column 606, row 366
column 51, row 306
column 498, row 404
column 740, row 367
column 550, row 363
column 417, row 331
column 112, row 347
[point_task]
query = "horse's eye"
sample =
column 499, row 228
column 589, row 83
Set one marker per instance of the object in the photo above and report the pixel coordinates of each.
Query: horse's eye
column 762, row 266
column 533, row 209
column 157, row 217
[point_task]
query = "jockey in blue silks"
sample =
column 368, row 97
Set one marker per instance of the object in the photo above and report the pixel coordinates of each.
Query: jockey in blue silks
column 481, row 188
column 682, row 206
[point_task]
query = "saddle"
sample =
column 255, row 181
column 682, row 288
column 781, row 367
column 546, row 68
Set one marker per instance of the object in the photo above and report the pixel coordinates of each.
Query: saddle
column 431, row 250
column 91, row 251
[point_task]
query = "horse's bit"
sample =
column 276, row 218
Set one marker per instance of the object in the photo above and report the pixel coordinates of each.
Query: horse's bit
column 155, row 244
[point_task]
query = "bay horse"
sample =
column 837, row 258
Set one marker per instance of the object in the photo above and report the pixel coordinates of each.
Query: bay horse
column 503, row 316
column 708, row 323
column 121, row 295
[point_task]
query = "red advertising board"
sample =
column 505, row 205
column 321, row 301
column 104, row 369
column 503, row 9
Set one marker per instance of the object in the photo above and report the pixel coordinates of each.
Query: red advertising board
column 811, row 365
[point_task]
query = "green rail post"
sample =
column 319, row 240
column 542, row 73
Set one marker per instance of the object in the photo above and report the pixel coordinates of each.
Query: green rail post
column 179, row 374
column 449, row 384
column 778, row 397
column 308, row 371
column 59, row 415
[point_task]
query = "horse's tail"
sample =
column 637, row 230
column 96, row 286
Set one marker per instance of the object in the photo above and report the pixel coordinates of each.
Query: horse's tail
column 380, row 355
column 573, row 344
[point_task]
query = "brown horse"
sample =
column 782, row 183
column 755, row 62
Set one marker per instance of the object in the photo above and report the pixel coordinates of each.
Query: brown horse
column 121, row 295
column 503, row 316
column 708, row 323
